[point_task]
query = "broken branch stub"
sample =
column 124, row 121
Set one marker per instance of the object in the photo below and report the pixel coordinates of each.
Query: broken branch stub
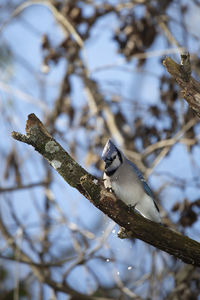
column 190, row 88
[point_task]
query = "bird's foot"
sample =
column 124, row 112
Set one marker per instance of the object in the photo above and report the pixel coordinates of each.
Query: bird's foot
column 131, row 208
column 109, row 189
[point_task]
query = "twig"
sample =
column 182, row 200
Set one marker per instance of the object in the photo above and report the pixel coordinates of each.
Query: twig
column 59, row 17
column 97, row 104
column 41, row 273
column 23, row 96
column 164, row 152
column 22, row 187
column 162, row 23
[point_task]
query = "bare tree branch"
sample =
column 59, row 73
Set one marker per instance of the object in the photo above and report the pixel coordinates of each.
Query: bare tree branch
column 22, row 187
column 190, row 88
column 155, row 234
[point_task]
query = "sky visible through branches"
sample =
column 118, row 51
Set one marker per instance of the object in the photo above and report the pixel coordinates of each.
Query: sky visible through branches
column 101, row 78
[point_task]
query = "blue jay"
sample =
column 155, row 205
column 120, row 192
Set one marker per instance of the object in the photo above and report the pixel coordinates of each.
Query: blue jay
column 123, row 177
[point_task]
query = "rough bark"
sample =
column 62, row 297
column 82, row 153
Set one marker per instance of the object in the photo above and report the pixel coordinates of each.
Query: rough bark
column 190, row 88
column 92, row 188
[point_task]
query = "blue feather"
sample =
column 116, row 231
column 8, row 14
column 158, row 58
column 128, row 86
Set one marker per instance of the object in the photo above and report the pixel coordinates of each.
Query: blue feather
column 147, row 189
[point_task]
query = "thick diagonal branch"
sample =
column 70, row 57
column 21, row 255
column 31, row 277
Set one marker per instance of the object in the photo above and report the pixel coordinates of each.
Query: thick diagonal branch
column 157, row 235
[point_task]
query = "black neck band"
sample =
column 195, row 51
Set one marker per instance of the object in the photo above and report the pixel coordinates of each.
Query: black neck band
column 119, row 155
column 110, row 173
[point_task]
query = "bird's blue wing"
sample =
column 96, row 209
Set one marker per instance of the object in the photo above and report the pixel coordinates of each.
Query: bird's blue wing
column 147, row 189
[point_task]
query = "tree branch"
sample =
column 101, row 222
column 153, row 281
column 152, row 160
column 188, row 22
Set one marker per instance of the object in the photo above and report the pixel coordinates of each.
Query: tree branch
column 190, row 88
column 92, row 188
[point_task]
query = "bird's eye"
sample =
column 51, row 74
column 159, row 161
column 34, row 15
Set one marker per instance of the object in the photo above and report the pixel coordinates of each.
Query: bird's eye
column 114, row 156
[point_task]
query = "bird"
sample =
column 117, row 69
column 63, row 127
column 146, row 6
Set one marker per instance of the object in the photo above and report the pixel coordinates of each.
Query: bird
column 127, row 182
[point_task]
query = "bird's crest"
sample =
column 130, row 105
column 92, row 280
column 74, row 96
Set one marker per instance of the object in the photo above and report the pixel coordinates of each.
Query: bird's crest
column 108, row 150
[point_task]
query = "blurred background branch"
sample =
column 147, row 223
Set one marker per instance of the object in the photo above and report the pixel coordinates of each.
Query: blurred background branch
column 92, row 70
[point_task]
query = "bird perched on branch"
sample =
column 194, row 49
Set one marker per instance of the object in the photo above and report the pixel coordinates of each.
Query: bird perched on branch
column 123, row 177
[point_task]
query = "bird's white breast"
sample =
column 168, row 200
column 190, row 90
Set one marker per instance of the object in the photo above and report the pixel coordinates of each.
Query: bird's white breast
column 130, row 194
column 126, row 186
